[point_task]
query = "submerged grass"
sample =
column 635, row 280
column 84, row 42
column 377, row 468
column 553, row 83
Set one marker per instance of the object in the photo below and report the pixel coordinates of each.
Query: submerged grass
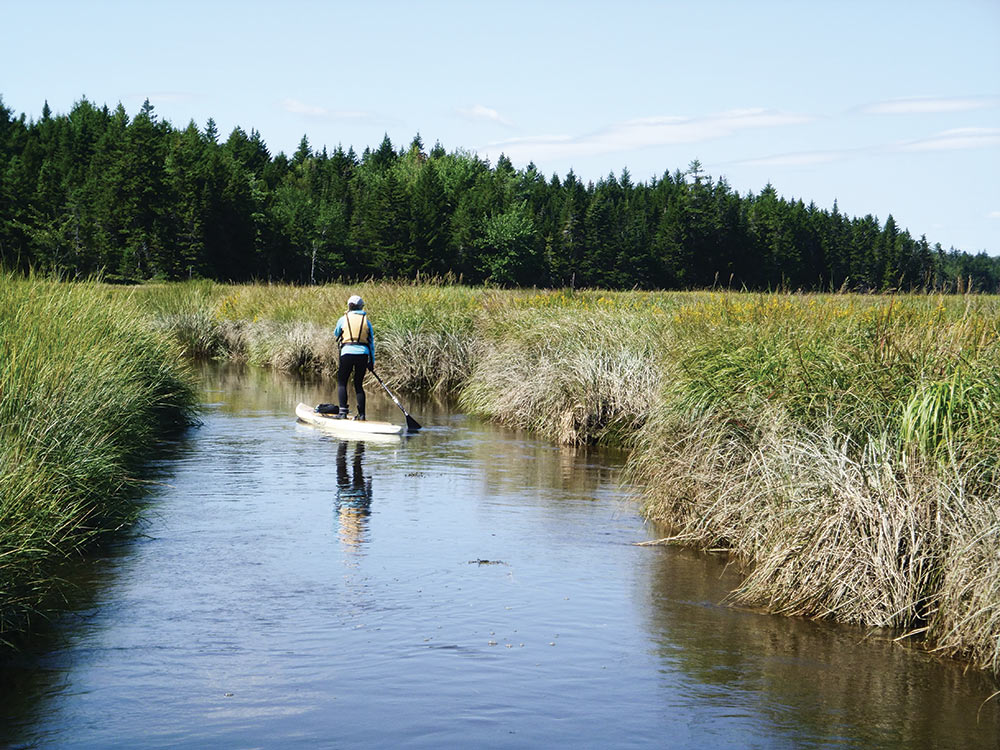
column 86, row 387
column 844, row 449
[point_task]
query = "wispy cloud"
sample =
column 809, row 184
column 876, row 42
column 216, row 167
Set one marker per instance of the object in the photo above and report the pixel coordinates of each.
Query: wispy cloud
column 647, row 132
column 929, row 105
column 297, row 107
column 957, row 138
column 799, row 159
column 993, row 215
column 948, row 140
column 482, row 112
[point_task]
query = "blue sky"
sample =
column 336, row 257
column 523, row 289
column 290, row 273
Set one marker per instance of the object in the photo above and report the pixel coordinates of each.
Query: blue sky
column 887, row 106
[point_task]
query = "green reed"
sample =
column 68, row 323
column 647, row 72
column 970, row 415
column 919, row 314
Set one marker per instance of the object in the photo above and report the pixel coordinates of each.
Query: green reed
column 86, row 388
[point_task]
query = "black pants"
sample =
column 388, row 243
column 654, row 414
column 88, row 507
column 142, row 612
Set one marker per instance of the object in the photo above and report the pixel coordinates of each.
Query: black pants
column 358, row 363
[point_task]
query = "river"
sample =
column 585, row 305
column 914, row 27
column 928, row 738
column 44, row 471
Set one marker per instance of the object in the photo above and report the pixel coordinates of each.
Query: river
column 464, row 587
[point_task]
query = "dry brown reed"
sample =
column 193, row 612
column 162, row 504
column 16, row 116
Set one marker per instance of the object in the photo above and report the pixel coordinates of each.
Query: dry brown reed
column 966, row 618
column 575, row 377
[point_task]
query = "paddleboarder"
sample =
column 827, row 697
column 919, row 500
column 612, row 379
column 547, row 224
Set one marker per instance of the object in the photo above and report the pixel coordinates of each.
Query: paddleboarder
column 357, row 353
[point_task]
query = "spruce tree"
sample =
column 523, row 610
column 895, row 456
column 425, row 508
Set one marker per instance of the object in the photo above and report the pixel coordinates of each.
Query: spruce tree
column 430, row 223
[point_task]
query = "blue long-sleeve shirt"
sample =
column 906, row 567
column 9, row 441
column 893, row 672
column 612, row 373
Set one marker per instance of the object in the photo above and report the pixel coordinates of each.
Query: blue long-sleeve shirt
column 357, row 348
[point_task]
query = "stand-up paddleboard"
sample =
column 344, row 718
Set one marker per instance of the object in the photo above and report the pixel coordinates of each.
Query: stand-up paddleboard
column 346, row 427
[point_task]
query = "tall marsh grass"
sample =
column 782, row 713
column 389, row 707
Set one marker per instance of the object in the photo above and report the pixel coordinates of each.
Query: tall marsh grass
column 844, row 450
column 576, row 376
column 86, row 388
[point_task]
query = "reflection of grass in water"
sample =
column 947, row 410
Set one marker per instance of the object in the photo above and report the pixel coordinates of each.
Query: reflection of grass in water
column 843, row 447
column 87, row 386
column 842, row 686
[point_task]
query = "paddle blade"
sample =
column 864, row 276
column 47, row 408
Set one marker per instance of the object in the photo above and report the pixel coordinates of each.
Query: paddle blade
column 411, row 424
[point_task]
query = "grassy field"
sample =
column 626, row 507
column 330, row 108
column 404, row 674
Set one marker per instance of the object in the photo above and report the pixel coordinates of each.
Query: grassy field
column 86, row 388
column 843, row 449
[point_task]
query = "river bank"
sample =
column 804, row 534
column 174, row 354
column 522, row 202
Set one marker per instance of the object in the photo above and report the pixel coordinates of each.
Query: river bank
column 86, row 389
column 842, row 449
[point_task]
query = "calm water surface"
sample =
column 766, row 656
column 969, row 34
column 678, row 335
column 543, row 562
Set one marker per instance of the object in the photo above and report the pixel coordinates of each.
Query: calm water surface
column 466, row 587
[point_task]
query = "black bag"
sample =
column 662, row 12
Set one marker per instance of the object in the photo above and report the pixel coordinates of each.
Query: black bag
column 328, row 409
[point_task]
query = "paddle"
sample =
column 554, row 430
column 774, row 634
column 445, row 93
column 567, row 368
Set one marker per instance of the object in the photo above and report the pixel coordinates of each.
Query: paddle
column 411, row 424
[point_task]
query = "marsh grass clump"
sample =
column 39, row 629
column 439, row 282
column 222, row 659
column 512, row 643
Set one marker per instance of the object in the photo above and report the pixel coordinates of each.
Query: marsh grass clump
column 293, row 347
column 421, row 361
column 197, row 333
column 577, row 377
column 87, row 386
column 966, row 616
column 844, row 450
column 821, row 532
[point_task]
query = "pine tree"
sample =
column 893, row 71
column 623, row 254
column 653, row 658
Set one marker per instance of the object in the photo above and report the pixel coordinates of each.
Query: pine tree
column 329, row 241
column 837, row 234
column 889, row 270
column 302, row 153
column 925, row 270
column 107, row 188
column 429, row 225
column 211, row 132
column 185, row 170
column 602, row 232
column 382, row 158
column 392, row 253
column 864, row 257
column 770, row 227
column 568, row 243
column 671, row 247
column 143, row 196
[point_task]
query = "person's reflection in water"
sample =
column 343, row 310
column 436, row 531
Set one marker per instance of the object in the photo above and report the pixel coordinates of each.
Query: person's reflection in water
column 354, row 495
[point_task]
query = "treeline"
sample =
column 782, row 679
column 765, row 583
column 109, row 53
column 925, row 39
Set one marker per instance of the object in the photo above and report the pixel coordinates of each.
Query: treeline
column 135, row 198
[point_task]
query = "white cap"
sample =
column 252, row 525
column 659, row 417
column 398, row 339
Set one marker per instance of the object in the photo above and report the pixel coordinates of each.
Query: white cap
column 356, row 301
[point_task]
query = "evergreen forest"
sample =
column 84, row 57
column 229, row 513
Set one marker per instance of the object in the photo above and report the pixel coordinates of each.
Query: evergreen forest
column 133, row 198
